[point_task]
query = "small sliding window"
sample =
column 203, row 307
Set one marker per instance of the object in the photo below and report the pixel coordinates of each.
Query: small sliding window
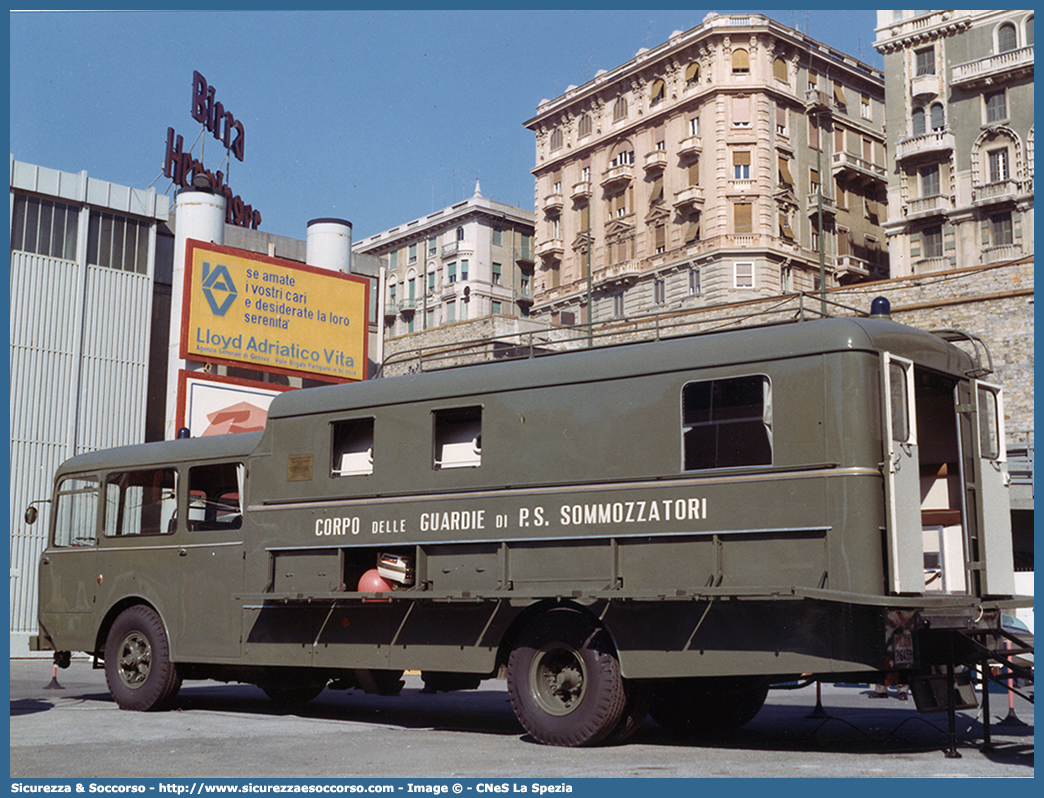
column 457, row 438
column 352, row 447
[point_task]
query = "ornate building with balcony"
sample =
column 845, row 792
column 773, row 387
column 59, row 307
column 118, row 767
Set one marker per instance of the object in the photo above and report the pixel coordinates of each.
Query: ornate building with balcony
column 470, row 260
column 959, row 88
column 698, row 172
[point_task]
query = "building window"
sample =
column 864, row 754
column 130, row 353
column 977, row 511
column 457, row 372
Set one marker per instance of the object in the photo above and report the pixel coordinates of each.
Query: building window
column 779, row 69
column 998, row 164
column 932, row 242
column 429, row 319
column 1001, row 230
column 785, row 230
column 694, row 125
column 523, row 286
column 924, row 62
column 433, row 246
column 740, row 61
column 463, row 270
column 498, row 237
column 1007, row 38
column 411, row 285
column 1029, row 31
column 431, row 282
column 938, row 117
column 865, row 110
column 624, row 157
column 693, row 172
column 556, row 140
column 930, row 181
column 727, row 422
column 781, row 120
column 692, row 74
column 813, row 181
column 656, row 191
column 393, row 260
column 495, row 307
column 497, row 276
column 618, row 303
column 742, row 218
column 996, row 106
column 620, row 109
column 839, row 98
column 785, row 178
column 554, row 227
column 918, row 124
column 741, row 165
column 744, row 274
column 460, row 233
column 657, row 92
column 117, row 242
column 45, row 227
column 694, row 282
column 692, row 227
column 584, row 126
column 584, row 213
column 451, row 272
column 413, row 253
column 659, row 238
column 659, row 292
column 741, row 111
column 451, row 311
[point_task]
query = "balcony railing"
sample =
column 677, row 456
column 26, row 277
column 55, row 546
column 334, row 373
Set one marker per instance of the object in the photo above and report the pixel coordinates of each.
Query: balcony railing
column 928, row 206
column 851, row 266
column 657, row 159
column 925, row 86
column 550, row 248
column 932, row 265
column 829, row 204
column 1001, row 191
column 934, row 143
column 618, row 174
column 1001, row 253
column 993, row 66
column 693, row 195
column 553, row 202
column 618, row 272
column 581, row 190
column 693, row 145
column 846, row 161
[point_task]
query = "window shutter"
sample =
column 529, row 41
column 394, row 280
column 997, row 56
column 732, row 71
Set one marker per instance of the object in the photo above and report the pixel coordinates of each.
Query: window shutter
column 784, row 172
column 743, row 217
column 692, row 73
column 740, row 60
column 741, row 158
column 694, row 173
column 661, row 236
column 741, row 110
column 839, row 94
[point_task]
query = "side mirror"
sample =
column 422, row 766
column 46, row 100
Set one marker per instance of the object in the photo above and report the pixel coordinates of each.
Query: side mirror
column 31, row 514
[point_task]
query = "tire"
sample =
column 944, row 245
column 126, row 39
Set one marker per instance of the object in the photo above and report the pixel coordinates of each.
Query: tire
column 138, row 668
column 704, row 707
column 636, row 708
column 564, row 680
column 292, row 693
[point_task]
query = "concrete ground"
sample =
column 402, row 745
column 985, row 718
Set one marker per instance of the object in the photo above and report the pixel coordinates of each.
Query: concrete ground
column 234, row 731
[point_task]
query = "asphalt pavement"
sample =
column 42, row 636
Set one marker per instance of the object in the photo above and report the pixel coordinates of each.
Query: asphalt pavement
column 235, row 731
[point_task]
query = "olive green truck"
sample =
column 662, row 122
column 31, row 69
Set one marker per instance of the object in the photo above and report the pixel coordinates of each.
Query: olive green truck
column 668, row 527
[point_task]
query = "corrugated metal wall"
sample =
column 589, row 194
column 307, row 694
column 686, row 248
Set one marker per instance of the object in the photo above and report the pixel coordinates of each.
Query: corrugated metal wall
column 79, row 364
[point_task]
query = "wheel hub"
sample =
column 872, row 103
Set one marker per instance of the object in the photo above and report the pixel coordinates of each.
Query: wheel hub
column 135, row 660
column 558, row 681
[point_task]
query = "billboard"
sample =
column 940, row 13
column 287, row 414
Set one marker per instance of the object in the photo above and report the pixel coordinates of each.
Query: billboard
column 209, row 404
column 241, row 308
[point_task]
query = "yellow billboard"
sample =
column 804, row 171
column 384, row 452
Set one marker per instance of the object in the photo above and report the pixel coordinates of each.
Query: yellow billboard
column 241, row 308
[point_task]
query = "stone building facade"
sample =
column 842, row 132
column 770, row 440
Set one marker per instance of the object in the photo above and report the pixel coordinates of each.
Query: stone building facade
column 959, row 88
column 469, row 260
column 692, row 174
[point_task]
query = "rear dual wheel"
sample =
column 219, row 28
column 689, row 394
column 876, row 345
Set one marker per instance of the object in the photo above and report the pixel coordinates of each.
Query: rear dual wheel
column 564, row 680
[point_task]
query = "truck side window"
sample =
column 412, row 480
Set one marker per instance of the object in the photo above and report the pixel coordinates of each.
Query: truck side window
column 140, row 502
column 76, row 512
column 727, row 423
column 352, row 447
column 213, row 499
column 458, row 438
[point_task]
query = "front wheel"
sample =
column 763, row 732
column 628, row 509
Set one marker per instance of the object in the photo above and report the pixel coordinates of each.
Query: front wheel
column 564, row 680
column 138, row 668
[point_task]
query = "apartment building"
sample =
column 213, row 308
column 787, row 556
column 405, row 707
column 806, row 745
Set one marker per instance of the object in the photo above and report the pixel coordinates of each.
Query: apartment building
column 469, row 260
column 960, row 127
column 698, row 172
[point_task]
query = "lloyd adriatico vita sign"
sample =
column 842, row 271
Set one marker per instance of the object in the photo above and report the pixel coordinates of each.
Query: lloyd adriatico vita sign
column 273, row 315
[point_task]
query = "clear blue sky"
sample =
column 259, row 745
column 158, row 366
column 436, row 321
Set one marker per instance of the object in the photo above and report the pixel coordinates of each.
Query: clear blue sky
column 378, row 117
